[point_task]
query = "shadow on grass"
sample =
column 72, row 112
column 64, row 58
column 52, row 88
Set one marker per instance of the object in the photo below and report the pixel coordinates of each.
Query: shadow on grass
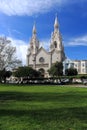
column 69, row 115
column 22, row 96
column 77, row 112
column 44, row 115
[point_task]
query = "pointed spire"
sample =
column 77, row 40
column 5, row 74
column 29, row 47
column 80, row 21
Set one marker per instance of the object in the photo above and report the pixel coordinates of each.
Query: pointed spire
column 56, row 22
column 34, row 28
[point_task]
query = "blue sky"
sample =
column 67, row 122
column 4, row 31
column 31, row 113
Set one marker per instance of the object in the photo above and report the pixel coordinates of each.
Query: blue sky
column 18, row 16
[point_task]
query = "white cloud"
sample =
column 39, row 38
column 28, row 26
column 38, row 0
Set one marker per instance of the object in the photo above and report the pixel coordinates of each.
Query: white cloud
column 29, row 7
column 21, row 49
column 77, row 41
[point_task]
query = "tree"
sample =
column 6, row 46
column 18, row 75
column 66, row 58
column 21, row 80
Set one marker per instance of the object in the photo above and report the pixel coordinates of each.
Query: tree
column 71, row 72
column 56, row 69
column 26, row 72
column 8, row 60
column 4, row 74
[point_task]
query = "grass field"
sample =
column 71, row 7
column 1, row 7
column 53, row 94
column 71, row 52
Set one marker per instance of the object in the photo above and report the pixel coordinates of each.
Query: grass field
column 43, row 108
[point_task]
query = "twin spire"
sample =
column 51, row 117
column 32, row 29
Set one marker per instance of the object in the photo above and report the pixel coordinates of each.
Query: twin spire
column 56, row 25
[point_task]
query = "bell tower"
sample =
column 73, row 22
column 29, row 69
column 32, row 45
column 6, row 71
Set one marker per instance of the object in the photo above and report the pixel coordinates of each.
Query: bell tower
column 34, row 43
column 56, row 41
column 34, row 46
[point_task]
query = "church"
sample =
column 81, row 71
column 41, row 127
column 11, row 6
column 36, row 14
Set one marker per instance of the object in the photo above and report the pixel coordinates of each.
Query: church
column 40, row 59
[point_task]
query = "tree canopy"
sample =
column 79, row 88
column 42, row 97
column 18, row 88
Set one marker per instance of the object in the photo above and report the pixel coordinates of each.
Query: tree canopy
column 56, row 69
column 71, row 72
column 4, row 74
column 26, row 72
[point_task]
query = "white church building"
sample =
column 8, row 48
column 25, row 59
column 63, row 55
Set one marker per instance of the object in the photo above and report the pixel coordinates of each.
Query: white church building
column 40, row 59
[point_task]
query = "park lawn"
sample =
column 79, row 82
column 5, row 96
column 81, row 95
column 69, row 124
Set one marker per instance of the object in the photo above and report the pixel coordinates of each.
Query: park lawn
column 43, row 107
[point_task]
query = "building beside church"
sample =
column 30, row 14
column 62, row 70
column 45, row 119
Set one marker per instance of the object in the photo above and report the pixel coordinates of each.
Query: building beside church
column 40, row 59
column 80, row 65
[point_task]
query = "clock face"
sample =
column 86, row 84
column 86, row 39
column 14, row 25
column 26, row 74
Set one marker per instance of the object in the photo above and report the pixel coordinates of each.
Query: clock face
column 41, row 59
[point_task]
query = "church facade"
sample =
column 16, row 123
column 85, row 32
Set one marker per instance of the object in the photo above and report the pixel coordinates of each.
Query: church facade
column 40, row 59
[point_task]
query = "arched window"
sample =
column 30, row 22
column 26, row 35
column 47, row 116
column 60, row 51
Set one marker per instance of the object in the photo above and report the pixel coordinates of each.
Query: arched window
column 55, row 44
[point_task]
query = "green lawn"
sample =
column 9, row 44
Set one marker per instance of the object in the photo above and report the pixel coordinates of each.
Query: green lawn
column 43, row 108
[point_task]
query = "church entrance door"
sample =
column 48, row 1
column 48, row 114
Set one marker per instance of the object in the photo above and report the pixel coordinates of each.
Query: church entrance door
column 42, row 71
